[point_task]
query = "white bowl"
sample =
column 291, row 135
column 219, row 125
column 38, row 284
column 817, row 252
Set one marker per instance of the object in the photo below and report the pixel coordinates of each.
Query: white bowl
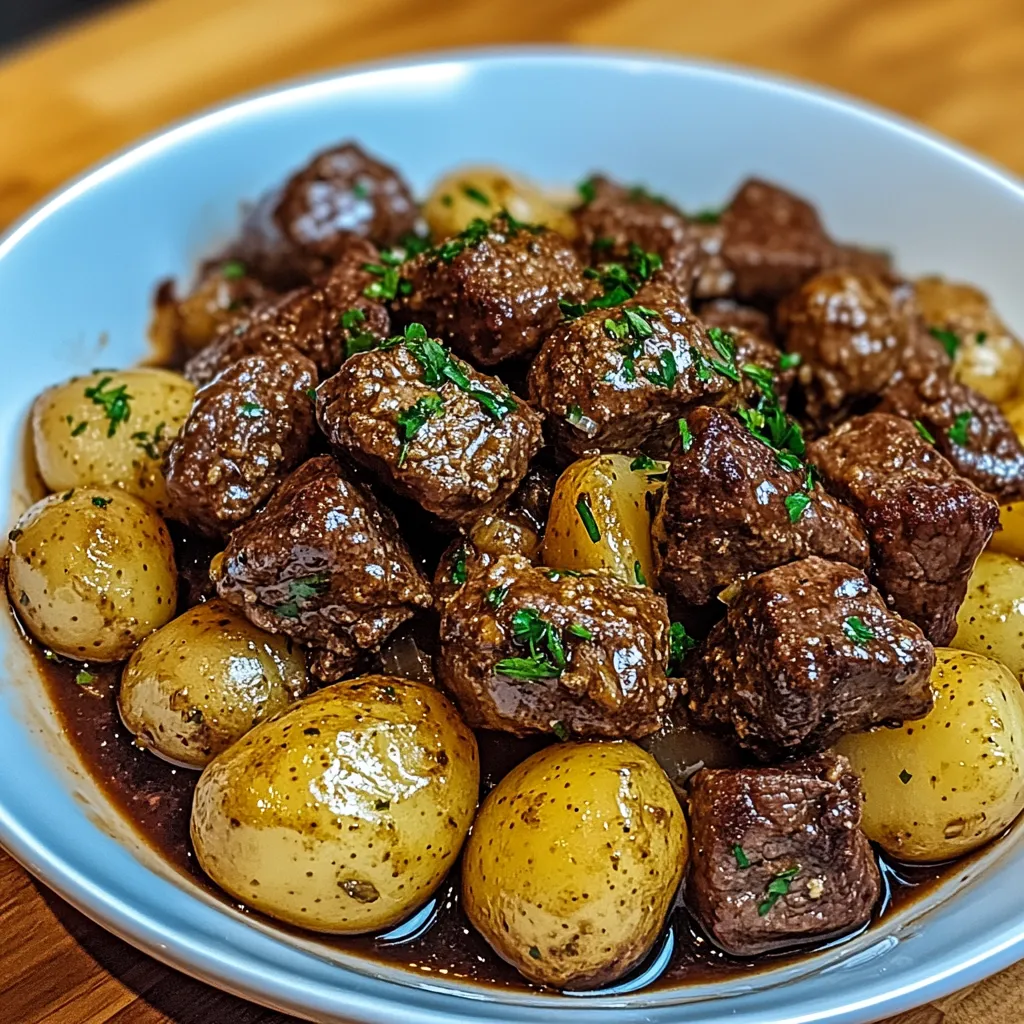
column 75, row 282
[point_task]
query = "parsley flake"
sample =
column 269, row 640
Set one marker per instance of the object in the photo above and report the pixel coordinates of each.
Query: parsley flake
column 389, row 284
column 560, row 730
column 535, row 952
column 742, row 860
column 947, row 339
column 471, row 192
column 84, row 678
column 667, row 373
column 584, row 511
column 638, row 573
column 642, row 463
column 101, row 502
column 924, row 432
column 233, row 270
column 79, row 429
column 150, row 443
column 356, row 339
column 790, row 360
column 496, row 596
column 412, row 420
column 856, row 631
column 300, row 591
column 113, row 401
column 957, row 433
column 680, row 643
column 587, row 190
column 685, row 437
column 796, row 504
column 251, row 410
column 778, row 887
column 581, row 631
column 458, row 573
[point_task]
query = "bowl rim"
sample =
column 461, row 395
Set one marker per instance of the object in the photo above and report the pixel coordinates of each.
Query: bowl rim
column 278, row 988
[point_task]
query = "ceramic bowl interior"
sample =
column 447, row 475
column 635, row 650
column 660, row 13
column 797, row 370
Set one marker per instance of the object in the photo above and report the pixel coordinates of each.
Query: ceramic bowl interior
column 76, row 279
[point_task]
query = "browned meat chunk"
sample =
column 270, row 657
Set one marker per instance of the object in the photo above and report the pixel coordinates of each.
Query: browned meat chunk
column 966, row 427
column 296, row 233
column 620, row 378
column 326, row 321
column 731, row 510
column 492, row 292
column 430, row 426
column 807, row 653
column 246, row 430
column 614, row 217
column 851, row 331
column 324, row 564
column 926, row 523
column 527, row 649
column 778, row 857
column 768, row 242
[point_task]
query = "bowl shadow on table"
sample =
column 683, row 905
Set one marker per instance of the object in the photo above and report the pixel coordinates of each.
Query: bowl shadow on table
column 166, row 993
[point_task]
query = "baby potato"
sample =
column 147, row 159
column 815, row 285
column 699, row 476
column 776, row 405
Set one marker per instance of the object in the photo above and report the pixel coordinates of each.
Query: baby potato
column 472, row 192
column 345, row 812
column 201, row 682
column 110, row 429
column 943, row 785
column 599, row 517
column 574, row 861
column 991, row 619
column 91, row 573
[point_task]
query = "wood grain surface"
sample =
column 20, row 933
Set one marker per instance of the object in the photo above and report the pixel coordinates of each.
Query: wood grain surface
column 956, row 65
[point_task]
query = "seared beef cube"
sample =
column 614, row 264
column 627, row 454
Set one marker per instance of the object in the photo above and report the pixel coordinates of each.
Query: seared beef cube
column 296, row 233
column 492, row 292
column 526, row 649
column 807, row 653
column 778, row 858
column 966, row 427
column 325, row 321
column 731, row 509
column 926, row 523
column 431, row 427
column 613, row 218
column 620, row 378
column 851, row 331
column 246, row 430
column 323, row 563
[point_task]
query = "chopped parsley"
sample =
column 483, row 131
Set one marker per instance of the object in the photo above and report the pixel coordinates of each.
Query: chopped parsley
column 632, row 327
column 640, row 194
column 905, row 776
column 581, row 631
column 924, row 432
column 535, row 952
column 947, row 339
column 645, row 462
column 587, row 190
column 856, row 631
column 796, row 504
column 446, row 200
column 458, row 574
column 411, row 421
column 742, row 860
column 584, row 511
column 251, row 410
column 725, row 345
column 150, row 443
column 232, row 270
column 777, row 888
column 981, row 337
column 360, row 191
column 356, row 339
column 389, row 284
column 685, row 437
column 471, row 192
column 680, row 643
column 79, row 429
column 84, row 678
column 790, row 360
column 957, row 433
column 311, row 394
column 560, row 730
column 619, row 282
column 113, row 401
column 638, row 573
column 300, row 591
column 708, row 216
column 667, row 373
column 101, row 502
column 760, row 375
column 547, row 652
column 496, row 596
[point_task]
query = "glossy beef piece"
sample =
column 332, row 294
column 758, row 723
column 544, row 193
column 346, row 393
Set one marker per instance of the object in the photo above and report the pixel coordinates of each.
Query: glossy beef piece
column 494, row 294
column 968, row 429
column 851, row 331
column 295, row 234
column 246, row 430
column 613, row 683
column 311, row 319
column 324, row 564
column 618, row 217
column 807, row 653
column 797, row 826
column 926, row 523
column 464, row 460
column 622, row 385
column 723, row 516
column 768, row 242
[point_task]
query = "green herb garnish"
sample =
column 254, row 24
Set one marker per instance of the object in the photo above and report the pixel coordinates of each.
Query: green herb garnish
column 777, row 888
column 587, row 190
column 356, row 340
column 458, row 573
column 389, row 284
column 638, row 574
column 496, row 596
column 790, row 360
column 79, row 429
column 411, row 421
column 471, row 192
column 301, row 590
column 113, row 401
column 150, row 443
column 685, row 437
column 957, row 433
column 559, row 729
column 84, row 678
column 709, row 216
column 232, row 270
column 101, row 502
column 581, row 631
column 680, row 643
column 856, row 631
column 796, row 504
column 742, row 860
column 949, row 341
column 642, row 462
column 667, row 373
column 586, row 515
column 251, row 410
column 924, row 432
column 619, row 282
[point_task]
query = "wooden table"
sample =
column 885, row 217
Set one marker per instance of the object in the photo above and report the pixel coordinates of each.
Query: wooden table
column 953, row 64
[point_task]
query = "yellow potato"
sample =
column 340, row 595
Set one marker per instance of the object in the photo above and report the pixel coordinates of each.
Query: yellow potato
column 618, row 538
column 201, row 682
column 89, row 432
column 991, row 619
column 988, row 357
column 91, row 573
column 943, row 785
column 574, row 862
column 1009, row 539
column 472, row 192
column 344, row 813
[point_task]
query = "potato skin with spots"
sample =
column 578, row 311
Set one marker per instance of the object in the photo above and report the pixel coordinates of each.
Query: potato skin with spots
column 72, row 440
column 201, row 682
column 344, row 813
column 91, row 573
column 990, row 621
column 946, row 784
column 574, row 861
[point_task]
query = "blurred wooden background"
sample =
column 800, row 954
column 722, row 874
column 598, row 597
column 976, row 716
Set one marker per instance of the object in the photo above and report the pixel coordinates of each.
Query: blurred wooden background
column 69, row 100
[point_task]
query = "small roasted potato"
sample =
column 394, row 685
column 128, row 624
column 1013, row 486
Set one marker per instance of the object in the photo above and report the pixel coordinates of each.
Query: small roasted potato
column 574, row 862
column 1009, row 539
column 201, row 682
column 91, row 573
column 110, row 429
column 991, row 619
column 943, row 785
column 600, row 517
column 344, row 813
column 986, row 355
column 482, row 192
